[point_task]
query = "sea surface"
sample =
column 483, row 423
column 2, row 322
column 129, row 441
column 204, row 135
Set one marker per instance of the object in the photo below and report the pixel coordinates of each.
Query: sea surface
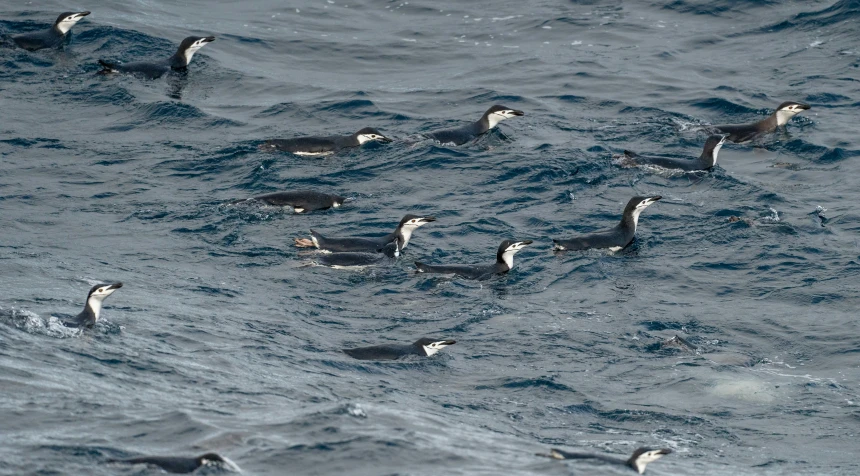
column 222, row 339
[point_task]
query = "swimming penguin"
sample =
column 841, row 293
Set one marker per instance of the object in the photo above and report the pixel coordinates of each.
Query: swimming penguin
column 424, row 347
column 152, row 70
column 52, row 37
column 746, row 132
column 301, row 200
column 614, row 238
column 489, row 120
column 707, row 160
column 388, row 254
column 640, row 458
column 90, row 315
column 401, row 234
column 180, row 464
column 323, row 145
column 504, row 263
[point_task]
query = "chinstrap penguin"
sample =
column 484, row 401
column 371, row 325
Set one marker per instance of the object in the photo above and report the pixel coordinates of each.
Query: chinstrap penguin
column 615, row 238
column 637, row 462
column 401, row 234
column 424, row 347
column 388, row 254
column 488, row 121
column 52, row 37
column 92, row 309
column 707, row 160
column 152, row 70
column 504, row 263
column 324, row 145
column 301, row 200
column 181, row 464
column 739, row 133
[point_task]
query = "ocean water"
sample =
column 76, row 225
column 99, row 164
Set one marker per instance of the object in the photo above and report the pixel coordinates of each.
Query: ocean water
column 222, row 340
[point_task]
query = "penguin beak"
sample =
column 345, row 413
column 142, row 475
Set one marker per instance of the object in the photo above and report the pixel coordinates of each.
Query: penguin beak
column 115, row 286
column 664, row 451
column 428, row 219
column 518, row 113
column 655, row 198
column 803, row 106
column 448, row 342
column 527, row 242
column 83, row 14
column 385, row 139
column 209, row 39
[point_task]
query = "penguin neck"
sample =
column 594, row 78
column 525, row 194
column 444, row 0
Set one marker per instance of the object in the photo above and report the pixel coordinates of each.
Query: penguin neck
column 708, row 158
column 93, row 308
column 180, row 59
column 483, row 125
column 769, row 124
column 58, row 29
column 631, row 221
column 402, row 235
column 506, row 260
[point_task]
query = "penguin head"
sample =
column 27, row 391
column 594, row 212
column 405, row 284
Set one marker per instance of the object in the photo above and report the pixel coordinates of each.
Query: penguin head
column 712, row 147
column 636, row 205
column 508, row 249
column 190, row 45
column 100, row 291
column 431, row 346
column 337, row 201
column 642, row 456
column 499, row 113
column 368, row 134
column 787, row 110
column 216, row 460
column 411, row 222
column 67, row 20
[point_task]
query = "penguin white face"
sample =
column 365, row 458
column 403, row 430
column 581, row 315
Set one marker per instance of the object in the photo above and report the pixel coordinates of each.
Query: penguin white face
column 499, row 116
column 641, row 206
column 640, row 461
column 362, row 138
column 417, row 222
column 69, row 20
column 511, row 250
column 200, row 43
column 787, row 111
column 434, row 347
column 103, row 291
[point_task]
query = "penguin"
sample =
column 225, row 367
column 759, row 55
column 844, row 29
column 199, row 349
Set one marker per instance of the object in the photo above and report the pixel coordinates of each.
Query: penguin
column 323, row 145
column 740, row 133
column 388, row 254
column 52, row 37
column 401, row 234
column 706, row 161
column 504, row 263
column 615, row 238
column 90, row 315
column 153, row 70
column 424, row 347
column 301, row 200
column 488, row 121
column 637, row 461
column 181, row 464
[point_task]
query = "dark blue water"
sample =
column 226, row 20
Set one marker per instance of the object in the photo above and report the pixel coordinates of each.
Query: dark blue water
column 221, row 340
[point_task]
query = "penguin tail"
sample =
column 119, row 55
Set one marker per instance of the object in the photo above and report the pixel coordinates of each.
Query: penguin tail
column 108, row 68
column 557, row 246
column 421, row 267
column 239, row 200
column 630, row 154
